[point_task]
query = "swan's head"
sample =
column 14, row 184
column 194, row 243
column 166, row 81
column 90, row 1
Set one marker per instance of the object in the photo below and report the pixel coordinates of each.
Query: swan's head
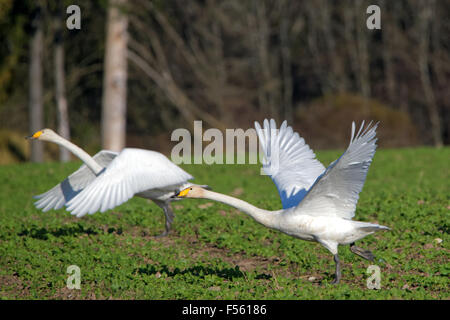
column 197, row 192
column 44, row 135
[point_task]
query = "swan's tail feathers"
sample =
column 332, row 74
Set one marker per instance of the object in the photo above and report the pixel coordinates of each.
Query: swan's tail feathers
column 363, row 229
column 370, row 227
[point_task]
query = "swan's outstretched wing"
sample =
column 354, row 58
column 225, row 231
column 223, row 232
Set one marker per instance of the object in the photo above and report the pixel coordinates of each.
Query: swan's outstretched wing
column 291, row 164
column 336, row 192
column 132, row 171
column 56, row 197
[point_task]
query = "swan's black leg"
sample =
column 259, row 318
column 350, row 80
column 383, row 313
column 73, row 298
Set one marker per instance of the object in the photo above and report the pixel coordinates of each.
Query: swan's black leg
column 168, row 213
column 366, row 254
column 337, row 276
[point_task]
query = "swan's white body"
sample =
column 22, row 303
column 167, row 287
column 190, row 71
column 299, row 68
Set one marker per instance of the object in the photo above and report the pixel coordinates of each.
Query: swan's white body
column 330, row 231
column 318, row 203
column 109, row 179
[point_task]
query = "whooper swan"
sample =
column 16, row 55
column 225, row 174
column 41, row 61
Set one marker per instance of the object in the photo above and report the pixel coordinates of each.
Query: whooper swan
column 318, row 203
column 109, row 179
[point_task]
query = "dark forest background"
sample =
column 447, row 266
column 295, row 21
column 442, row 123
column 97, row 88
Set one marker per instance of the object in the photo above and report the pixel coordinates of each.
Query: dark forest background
column 228, row 63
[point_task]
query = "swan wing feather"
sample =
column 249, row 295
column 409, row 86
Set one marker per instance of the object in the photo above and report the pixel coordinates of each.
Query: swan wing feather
column 133, row 171
column 56, row 197
column 289, row 161
column 336, row 192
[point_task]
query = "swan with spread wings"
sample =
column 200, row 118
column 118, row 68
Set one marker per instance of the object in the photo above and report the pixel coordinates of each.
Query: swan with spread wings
column 318, row 203
column 109, row 179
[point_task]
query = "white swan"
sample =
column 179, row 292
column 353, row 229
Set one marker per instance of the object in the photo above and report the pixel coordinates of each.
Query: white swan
column 109, row 179
column 318, row 204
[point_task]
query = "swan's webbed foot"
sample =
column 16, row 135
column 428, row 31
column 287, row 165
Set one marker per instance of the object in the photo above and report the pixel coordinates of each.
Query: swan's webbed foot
column 366, row 254
column 337, row 276
column 162, row 235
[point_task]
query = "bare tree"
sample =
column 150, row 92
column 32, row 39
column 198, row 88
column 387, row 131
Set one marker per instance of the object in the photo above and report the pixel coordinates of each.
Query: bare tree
column 312, row 44
column 348, row 35
column 441, row 63
column 269, row 87
column 36, row 83
column 198, row 65
column 115, row 78
column 321, row 44
column 330, row 56
column 389, row 35
column 60, row 89
column 286, row 60
column 424, row 21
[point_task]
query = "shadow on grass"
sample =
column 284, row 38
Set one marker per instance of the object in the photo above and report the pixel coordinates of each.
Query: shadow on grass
column 69, row 230
column 198, row 271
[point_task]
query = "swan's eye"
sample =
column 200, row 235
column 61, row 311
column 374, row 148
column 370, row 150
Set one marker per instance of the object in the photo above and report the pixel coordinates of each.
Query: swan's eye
column 190, row 188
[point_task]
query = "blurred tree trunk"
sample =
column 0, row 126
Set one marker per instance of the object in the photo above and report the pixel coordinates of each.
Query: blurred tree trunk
column 400, row 54
column 286, row 61
column 363, row 51
column 219, row 72
column 389, row 36
column 36, row 84
column 350, row 46
column 115, row 78
column 61, row 99
column 440, row 62
column 268, row 86
column 312, row 38
column 425, row 18
column 325, row 16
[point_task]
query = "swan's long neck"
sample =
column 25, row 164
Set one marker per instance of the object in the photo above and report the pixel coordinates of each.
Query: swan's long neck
column 80, row 153
column 268, row 218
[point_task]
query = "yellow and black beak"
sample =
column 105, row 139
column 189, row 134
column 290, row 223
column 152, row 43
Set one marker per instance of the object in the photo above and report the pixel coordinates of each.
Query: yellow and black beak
column 182, row 193
column 34, row 136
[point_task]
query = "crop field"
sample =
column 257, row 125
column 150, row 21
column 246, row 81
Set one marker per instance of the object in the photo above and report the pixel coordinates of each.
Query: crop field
column 217, row 252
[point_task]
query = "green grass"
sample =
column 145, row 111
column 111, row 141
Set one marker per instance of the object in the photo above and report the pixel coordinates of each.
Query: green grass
column 216, row 252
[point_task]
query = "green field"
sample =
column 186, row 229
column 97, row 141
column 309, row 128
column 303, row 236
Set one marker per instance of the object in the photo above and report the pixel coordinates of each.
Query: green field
column 216, row 252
